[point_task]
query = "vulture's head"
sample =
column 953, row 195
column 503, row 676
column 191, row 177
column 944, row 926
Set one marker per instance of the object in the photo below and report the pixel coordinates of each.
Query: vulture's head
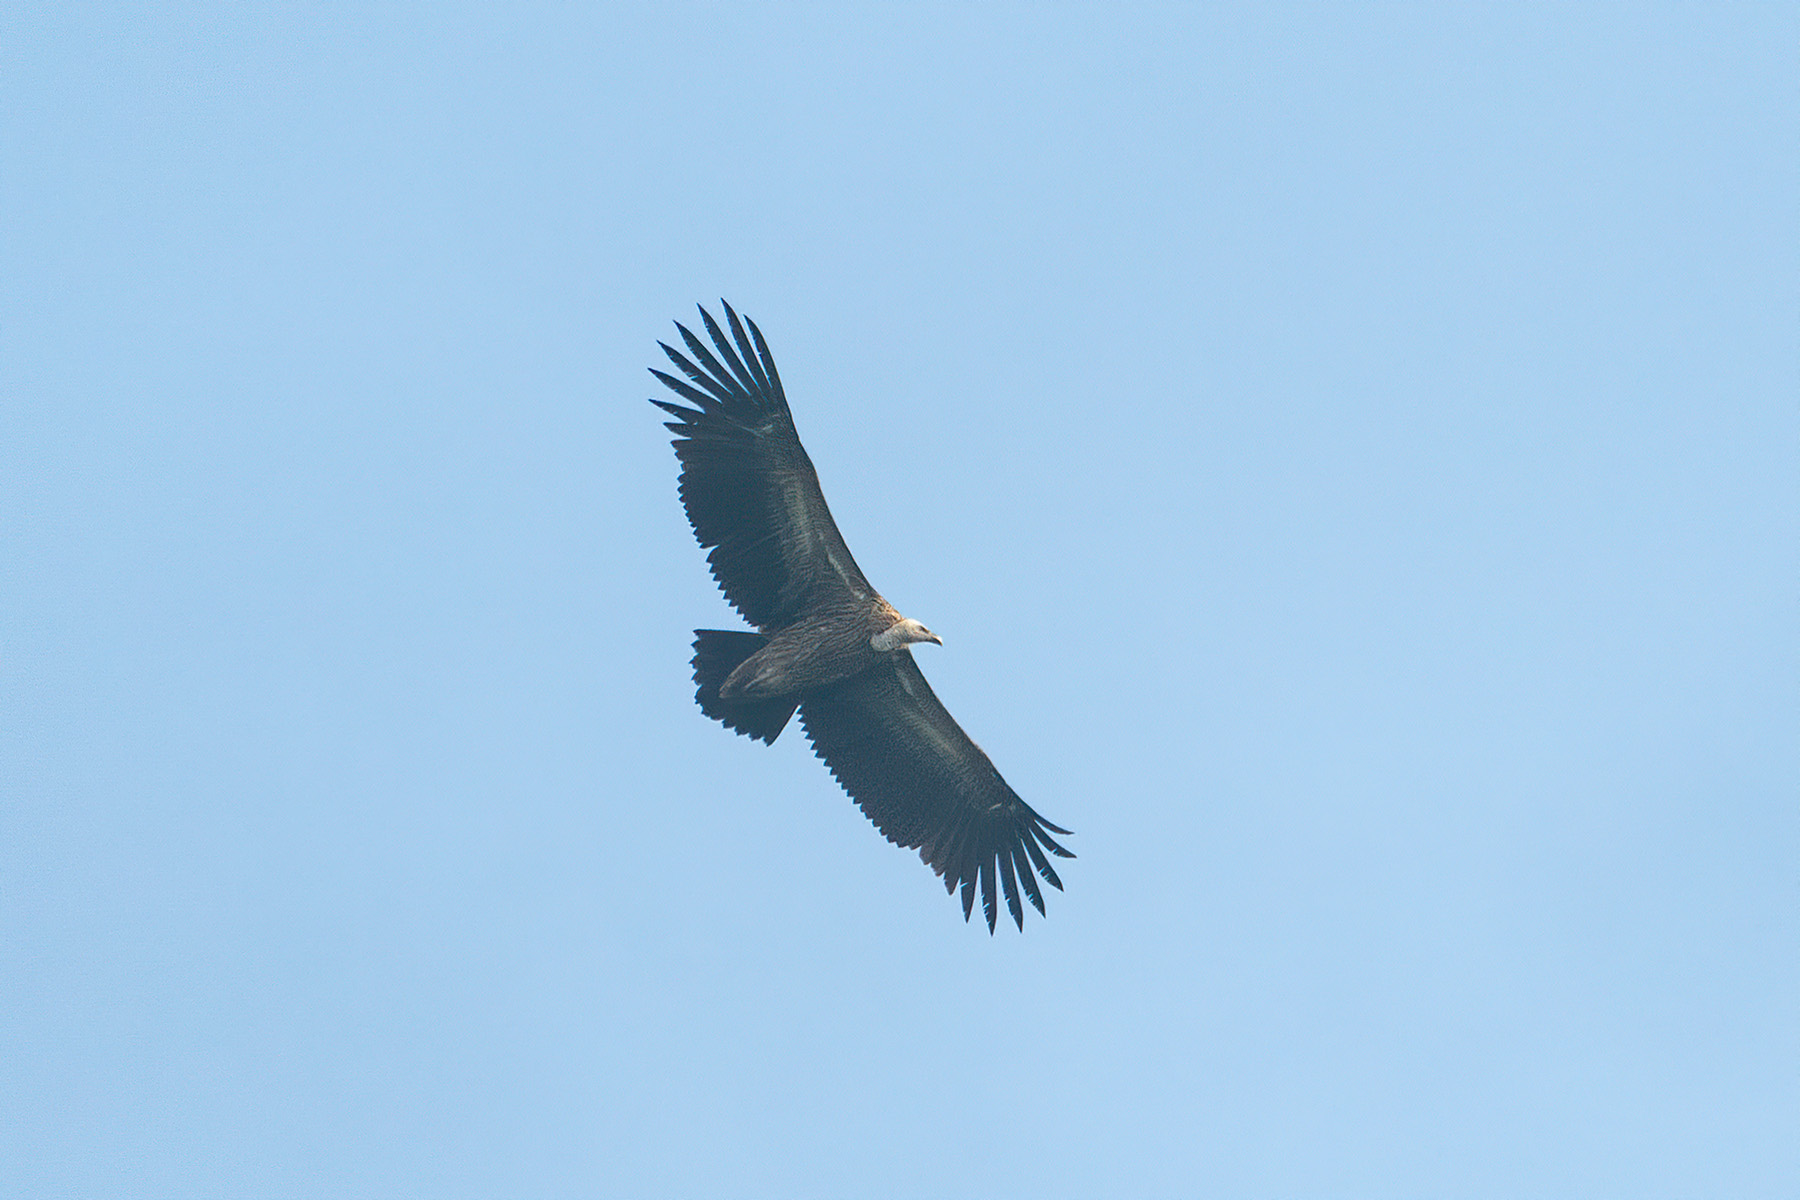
column 903, row 632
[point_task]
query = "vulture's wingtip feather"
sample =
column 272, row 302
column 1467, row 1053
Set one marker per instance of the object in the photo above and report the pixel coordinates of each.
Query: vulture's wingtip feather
column 1009, row 887
column 1022, row 863
column 988, row 908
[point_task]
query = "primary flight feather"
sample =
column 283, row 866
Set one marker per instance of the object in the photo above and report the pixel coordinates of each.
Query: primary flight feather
column 826, row 642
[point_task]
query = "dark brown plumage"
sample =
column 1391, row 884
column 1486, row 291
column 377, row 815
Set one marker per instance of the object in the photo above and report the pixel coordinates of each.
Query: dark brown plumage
column 827, row 643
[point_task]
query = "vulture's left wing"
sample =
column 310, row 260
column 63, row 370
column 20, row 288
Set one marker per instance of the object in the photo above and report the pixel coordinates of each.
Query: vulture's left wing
column 913, row 771
column 750, row 491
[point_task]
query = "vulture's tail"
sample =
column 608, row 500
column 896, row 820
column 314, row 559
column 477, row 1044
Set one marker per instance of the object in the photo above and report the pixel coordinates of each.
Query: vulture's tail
column 717, row 653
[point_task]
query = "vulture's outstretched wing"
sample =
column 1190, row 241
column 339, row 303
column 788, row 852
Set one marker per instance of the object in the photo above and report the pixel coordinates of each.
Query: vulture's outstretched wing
column 750, row 491
column 913, row 771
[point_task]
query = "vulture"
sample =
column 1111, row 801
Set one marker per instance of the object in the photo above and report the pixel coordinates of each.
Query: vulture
column 825, row 642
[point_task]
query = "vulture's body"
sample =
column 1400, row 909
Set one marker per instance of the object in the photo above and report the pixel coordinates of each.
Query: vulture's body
column 826, row 642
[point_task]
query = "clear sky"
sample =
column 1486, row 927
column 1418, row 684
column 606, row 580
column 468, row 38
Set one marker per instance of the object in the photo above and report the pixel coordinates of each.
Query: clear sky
column 1349, row 453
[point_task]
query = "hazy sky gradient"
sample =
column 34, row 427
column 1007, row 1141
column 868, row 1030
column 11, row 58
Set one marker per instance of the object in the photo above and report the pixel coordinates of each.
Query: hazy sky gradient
column 1349, row 453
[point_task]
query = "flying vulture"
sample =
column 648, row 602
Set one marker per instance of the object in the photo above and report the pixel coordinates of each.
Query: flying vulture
column 826, row 642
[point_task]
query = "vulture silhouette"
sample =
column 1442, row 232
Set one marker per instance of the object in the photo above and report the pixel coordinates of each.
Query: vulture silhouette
column 826, row 643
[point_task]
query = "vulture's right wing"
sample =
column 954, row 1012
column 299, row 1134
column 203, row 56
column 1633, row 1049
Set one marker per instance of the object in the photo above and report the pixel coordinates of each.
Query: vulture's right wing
column 913, row 771
column 750, row 491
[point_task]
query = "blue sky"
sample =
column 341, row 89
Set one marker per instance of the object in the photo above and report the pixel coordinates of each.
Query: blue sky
column 1348, row 452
